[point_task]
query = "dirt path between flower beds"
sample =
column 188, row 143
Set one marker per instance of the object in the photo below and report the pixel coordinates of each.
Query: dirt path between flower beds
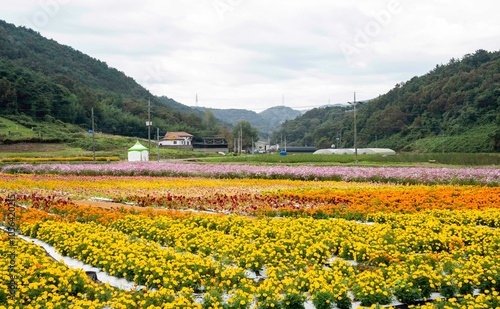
column 112, row 205
column 117, row 206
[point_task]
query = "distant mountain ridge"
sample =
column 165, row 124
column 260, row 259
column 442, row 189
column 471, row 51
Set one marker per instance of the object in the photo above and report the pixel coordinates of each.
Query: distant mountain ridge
column 265, row 121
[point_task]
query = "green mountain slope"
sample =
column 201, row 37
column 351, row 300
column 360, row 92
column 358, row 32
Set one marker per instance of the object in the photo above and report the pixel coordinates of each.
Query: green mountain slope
column 277, row 115
column 453, row 108
column 42, row 80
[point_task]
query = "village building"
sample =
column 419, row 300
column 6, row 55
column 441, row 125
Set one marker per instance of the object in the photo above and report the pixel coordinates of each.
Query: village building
column 177, row 140
column 211, row 144
column 260, row 147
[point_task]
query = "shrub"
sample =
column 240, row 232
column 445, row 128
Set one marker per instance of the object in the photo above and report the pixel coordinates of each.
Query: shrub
column 323, row 299
column 448, row 288
column 293, row 300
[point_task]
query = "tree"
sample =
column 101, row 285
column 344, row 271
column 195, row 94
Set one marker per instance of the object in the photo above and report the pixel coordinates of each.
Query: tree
column 247, row 132
column 210, row 122
column 8, row 97
column 228, row 135
column 496, row 136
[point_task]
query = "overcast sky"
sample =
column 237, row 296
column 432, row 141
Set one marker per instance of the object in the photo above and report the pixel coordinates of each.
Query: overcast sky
column 255, row 54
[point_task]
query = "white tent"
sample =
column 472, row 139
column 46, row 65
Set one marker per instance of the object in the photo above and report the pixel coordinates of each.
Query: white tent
column 138, row 153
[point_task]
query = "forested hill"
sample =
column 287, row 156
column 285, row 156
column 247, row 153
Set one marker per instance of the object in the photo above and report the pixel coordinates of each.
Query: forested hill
column 453, row 108
column 42, row 80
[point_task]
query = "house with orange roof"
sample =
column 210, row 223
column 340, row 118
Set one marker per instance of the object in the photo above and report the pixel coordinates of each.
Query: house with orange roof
column 177, row 140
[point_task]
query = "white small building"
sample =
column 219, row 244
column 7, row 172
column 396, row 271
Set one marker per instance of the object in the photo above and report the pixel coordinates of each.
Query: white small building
column 176, row 140
column 260, row 147
column 138, row 152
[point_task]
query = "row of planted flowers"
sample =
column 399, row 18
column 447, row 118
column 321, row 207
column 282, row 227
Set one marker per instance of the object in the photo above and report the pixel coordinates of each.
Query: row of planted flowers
column 58, row 159
column 43, row 283
column 254, row 197
column 409, row 259
column 412, row 175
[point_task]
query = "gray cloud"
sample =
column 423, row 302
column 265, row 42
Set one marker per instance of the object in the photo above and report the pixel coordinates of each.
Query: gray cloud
column 248, row 54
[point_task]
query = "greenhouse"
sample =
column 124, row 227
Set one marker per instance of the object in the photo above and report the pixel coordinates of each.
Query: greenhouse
column 380, row 151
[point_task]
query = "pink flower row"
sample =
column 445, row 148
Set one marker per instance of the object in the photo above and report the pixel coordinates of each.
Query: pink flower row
column 481, row 176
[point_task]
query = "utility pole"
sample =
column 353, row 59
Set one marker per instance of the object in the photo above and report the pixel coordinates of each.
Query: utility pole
column 93, row 138
column 241, row 140
column 158, row 142
column 149, row 125
column 355, row 131
column 442, row 136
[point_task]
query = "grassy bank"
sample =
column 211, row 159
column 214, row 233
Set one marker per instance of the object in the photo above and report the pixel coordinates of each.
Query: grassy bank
column 458, row 159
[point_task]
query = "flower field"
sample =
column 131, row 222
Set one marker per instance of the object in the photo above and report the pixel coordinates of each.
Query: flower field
column 412, row 175
column 196, row 240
